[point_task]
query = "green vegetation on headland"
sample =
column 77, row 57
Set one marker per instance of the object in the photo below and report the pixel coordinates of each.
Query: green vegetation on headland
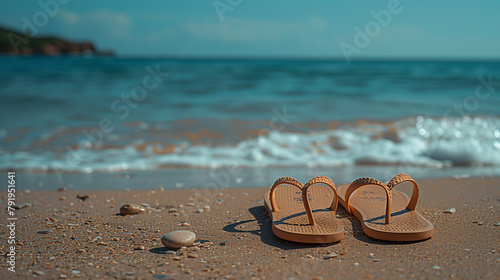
column 15, row 43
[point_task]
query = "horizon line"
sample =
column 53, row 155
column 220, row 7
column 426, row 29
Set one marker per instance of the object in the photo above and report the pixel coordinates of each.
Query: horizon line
column 269, row 57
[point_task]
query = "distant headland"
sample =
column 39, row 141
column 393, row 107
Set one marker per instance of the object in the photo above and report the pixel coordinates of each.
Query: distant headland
column 14, row 43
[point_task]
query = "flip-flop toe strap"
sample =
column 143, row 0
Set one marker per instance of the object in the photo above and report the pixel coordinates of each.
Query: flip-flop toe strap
column 318, row 180
column 293, row 182
column 400, row 178
column 396, row 180
column 361, row 182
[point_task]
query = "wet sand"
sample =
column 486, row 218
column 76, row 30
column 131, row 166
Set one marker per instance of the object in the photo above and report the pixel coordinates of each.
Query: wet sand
column 88, row 240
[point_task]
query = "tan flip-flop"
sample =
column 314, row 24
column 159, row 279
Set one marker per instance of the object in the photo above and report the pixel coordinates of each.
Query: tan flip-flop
column 386, row 214
column 293, row 218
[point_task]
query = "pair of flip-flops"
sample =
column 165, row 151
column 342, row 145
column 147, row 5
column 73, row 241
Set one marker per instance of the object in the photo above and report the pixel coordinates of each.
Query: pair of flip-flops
column 385, row 214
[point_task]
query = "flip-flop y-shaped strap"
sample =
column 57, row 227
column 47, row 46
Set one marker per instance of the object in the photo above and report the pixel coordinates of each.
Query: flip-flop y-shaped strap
column 280, row 181
column 318, row 180
column 396, row 180
column 361, row 182
column 400, row 178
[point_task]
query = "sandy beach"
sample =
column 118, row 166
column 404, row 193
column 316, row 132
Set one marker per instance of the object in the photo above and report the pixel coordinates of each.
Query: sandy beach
column 62, row 237
column 138, row 140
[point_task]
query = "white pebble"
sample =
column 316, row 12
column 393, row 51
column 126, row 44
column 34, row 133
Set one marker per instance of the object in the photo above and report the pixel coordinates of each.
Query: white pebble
column 170, row 253
column 450, row 211
column 179, row 238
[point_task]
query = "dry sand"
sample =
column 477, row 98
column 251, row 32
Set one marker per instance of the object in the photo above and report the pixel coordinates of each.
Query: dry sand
column 87, row 240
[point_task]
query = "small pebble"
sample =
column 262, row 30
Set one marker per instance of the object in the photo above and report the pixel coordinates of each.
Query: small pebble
column 330, row 256
column 436, row 267
column 140, row 248
column 61, row 190
column 170, row 253
column 480, row 223
column 193, row 256
column 176, row 258
column 179, row 238
column 131, row 209
column 83, row 197
column 21, row 206
column 63, row 276
column 44, row 231
column 75, row 271
column 450, row 211
column 172, row 210
column 497, row 224
column 62, row 198
column 38, row 272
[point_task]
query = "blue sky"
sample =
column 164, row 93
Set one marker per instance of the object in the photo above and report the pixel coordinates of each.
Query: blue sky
column 416, row 29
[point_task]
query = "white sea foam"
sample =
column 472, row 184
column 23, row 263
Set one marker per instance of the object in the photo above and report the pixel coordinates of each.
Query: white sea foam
column 417, row 141
column 420, row 141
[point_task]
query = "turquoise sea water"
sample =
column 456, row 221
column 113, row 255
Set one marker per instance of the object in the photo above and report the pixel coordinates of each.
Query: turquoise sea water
column 100, row 114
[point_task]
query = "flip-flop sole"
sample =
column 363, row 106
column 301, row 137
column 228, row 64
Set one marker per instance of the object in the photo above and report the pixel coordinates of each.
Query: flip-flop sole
column 290, row 222
column 368, row 205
